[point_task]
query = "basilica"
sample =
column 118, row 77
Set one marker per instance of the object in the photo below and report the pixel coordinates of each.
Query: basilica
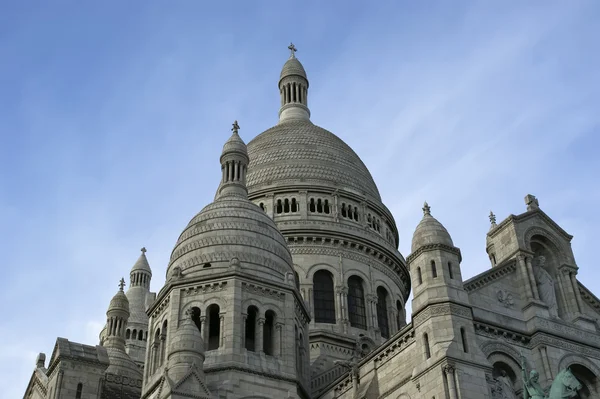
column 290, row 285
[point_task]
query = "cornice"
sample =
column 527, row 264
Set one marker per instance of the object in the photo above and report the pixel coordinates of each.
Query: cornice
column 488, row 277
column 527, row 215
column 433, row 247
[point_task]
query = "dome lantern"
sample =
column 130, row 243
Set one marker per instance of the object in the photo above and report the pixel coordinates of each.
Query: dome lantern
column 234, row 166
column 293, row 88
column 430, row 231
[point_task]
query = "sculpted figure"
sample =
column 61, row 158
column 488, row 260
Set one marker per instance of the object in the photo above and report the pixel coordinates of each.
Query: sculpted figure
column 564, row 386
column 508, row 391
column 532, row 388
column 546, row 287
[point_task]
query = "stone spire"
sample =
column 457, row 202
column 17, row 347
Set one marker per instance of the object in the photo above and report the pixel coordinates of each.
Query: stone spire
column 116, row 319
column 234, row 166
column 293, row 88
column 141, row 274
column 492, row 220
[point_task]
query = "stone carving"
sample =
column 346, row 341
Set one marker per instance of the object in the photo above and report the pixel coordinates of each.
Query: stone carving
column 565, row 385
column 508, row 391
column 506, row 298
column 545, row 284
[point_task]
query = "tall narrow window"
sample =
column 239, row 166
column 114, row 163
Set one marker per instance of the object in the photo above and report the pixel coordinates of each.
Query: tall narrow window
column 356, row 214
column 463, row 337
column 279, row 208
column 382, row 312
column 140, row 335
column 450, row 270
column 134, row 334
column 286, row 205
column 319, row 206
column 344, row 210
column 196, row 318
column 251, row 328
column 311, row 206
column 323, row 297
column 326, row 206
column 426, row 346
column 79, row 391
column 214, row 327
column 127, row 334
column 349, row 212
column 419, row 276
column 356, row 303
column 433, row 269
column 297, row 277
column 268, row 333
column 294, row 205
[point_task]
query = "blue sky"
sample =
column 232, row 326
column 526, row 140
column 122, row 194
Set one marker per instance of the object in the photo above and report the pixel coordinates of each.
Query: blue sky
column 113, row 115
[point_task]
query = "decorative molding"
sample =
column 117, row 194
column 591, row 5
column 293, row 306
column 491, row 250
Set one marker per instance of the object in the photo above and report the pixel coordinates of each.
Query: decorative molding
column 433, row 247
column 204, row 288
column 490, row 347
column 122, row 380
column 158, row 310
column 488, row 277
column 441, row 310
column 497, row 332
column 506, row 298
column 262, row 291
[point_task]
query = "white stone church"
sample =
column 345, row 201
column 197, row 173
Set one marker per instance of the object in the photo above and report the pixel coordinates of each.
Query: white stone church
column 290, row 285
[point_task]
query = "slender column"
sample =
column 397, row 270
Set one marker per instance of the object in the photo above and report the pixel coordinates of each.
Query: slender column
column 546, row 363
column 279, row 335
column 281, row 95
column 297, row 86
column 237, row 171
column 244, row 318
column 221, row 329
column 59, row 384
column 524, row 275
column 258, row 341
column 224, row 177
column 311, row 304
column 534, row 287
column 563, row 293
column 576, row 289
column 163, row 344
column 204, row 328
column 449, row 371
column 230, row 166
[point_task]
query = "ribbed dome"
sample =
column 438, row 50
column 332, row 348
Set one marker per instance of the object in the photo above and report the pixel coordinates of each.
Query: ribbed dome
column 297, row 152
column 122, row 365
column 292, row 67
column 232, row 227
column 235, row 144
column 430, row 231
column 119, row 302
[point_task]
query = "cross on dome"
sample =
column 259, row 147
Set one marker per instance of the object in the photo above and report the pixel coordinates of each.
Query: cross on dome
column 121, row 284
column 492, row 218
column 235, row 127
column 426, row 209
column 293, row 50
column 143, row 250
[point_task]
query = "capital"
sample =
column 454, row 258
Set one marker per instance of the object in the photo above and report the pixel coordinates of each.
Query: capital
column 449, row 369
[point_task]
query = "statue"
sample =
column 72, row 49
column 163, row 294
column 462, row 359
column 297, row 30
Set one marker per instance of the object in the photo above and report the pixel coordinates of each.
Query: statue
column 508, row 391
column 546, row 287
column 565, row 385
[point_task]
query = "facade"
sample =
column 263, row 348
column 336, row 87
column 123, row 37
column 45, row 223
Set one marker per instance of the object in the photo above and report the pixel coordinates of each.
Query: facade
column 290, row 285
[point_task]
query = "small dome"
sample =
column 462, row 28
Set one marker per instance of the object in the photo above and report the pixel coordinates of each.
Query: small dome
column 235, row 143
column 292, row 67
column 119, row 301
column 430, row 231
column 187, row 339
column 122, row 365
column 142, row 263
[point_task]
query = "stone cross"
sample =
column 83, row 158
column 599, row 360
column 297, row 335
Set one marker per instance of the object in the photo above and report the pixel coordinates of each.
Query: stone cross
column 235, row 127
column 293, row 50
column 492, row 218
column 426, row 209
column 143, row 250
column 121, row 284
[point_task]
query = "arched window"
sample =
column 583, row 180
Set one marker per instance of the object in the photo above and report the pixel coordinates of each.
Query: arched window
column 268, row 334
column 294, row 205
column 279, row 208
column 344, row 210
column 127, row 334
column 156, row 350
column 400, row 314
column 419, row 276
column 262, row 206
column 134, row 334
column 433, row 269
column 319, row 206
column 349, row 212
column 450, row 270
column 356, row 303
column 323, row 297
column 251, row 328
column 196, row 313
column 311, row 206
column 297, row 278
column 463, row 337
column 382, row 312
column 426, row 346
column 326, row 206
column 286, row 205
column 140, row 335
column 79, row 391
column 356, row 214
column 163, row 343
column 214, row 327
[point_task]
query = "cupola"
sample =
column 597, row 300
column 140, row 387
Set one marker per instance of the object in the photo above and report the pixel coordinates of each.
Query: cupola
column 293, row 88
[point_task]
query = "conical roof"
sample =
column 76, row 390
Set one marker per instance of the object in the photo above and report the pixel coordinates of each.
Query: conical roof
column 235, row 143
column 430, row 231
column 142, row 263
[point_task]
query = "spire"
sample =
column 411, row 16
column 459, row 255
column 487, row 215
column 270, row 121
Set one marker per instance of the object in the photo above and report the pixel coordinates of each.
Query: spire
column 426, row 209
column 234, row 166
column 293, row 88
column 140, row 274
column 492, row 220
column 121, row 284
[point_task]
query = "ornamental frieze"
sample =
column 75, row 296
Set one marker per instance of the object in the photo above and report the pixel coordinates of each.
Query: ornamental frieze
column 441, row 310
column 161, row 307
column 262, row 291
column 204, row 288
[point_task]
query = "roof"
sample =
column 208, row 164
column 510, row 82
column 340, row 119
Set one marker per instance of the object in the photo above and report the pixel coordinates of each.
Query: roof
column 142, row 263
column 298, row 152
column 293, row 67
column 430, row 231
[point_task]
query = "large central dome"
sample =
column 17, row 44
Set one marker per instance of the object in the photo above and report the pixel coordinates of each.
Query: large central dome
column 297, row 152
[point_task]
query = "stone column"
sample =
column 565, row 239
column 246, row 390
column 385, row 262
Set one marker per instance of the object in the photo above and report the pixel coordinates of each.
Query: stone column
column 204, row 328
column 279, row 340
column 576, row 290
column 449, row 371
column 244, row 317
column 303, row 203
column 546, row 363
column 221, row 329
column 534, row 287
column 336, row 213
column 372, row 324
column 524, row 276
column 258, row 340
column 563, row 293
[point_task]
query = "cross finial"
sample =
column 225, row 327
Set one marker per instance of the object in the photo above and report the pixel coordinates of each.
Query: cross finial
column 426, row 209
column 121, row 284
column 143, row 250
column 235, row 127
column 293, row 50
column 492, row 218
